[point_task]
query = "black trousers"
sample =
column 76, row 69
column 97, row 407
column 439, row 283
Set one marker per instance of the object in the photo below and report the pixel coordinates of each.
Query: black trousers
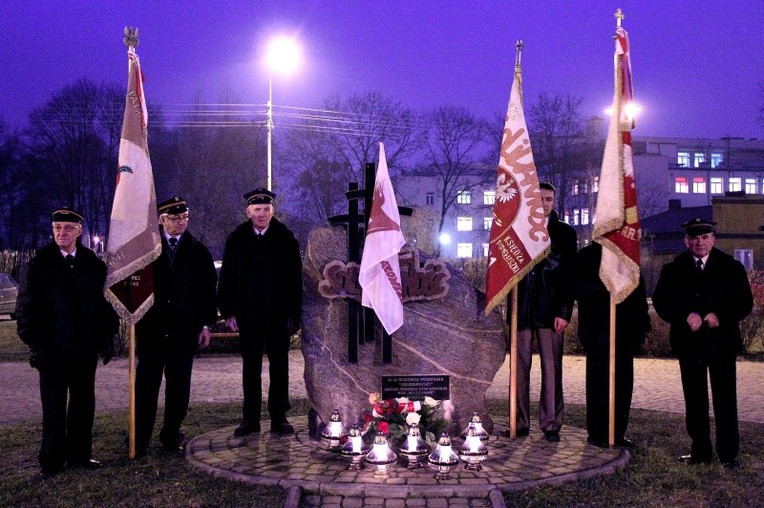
column 276, row 346
column 598, row 391
column 695, row 370
column 173, row 357
column 67, row 425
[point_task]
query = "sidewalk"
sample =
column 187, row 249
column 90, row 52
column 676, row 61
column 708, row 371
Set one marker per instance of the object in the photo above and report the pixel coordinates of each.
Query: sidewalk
column 657, row 385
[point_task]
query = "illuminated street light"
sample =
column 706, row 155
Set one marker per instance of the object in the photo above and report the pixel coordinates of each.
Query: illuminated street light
column 444, row 239
column 283, row 57
column 632, row 110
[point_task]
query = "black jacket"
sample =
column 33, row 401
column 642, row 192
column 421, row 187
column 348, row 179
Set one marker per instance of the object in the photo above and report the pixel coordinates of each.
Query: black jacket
column 62, row 310
column 546, row 292
column 184, row 291
column 261, row 278
column 632, row 321
column 722, row 289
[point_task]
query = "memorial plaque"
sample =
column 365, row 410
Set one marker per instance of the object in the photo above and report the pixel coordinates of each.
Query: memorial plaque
column 416, row 387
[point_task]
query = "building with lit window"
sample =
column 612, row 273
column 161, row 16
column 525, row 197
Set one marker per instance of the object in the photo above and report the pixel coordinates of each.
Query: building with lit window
column 688, row 172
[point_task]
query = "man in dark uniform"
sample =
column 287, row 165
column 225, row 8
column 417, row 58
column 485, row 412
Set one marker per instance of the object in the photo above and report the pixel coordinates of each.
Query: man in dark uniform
column 545, row 304
column 170, row 332
column 704, row 294
column 632, row 326
column 260, row 296
column 64, row 318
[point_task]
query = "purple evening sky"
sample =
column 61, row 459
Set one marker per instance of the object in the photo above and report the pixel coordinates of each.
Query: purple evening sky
column 696, row 65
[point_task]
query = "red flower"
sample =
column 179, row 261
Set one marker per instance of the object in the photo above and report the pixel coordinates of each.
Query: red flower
column 383, row 427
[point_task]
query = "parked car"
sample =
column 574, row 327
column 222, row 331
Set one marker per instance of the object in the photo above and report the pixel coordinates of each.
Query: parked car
column 9, row 290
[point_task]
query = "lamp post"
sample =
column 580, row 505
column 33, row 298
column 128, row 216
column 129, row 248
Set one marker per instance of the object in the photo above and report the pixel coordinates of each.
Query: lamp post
column 283, row 56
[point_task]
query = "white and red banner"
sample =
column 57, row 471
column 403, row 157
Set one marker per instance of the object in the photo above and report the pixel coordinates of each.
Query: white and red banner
column 380, row 273
column 616, row 222
column 519, row 237
column 134, row 240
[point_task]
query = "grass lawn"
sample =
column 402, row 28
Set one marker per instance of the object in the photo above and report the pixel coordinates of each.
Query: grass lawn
column 11, row 347
column 652, row 478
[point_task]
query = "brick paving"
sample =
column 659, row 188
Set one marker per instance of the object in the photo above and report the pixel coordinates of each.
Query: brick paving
column 313, row 476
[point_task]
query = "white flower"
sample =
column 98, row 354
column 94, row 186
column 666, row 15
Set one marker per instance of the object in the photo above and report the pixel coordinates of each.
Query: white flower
column 412, row 418
column 430, row 402
column 403, row 400
column 448, row 409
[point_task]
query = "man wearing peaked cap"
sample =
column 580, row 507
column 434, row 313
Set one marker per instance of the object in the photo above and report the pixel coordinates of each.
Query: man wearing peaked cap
column 175, row 326
column 64, row 318
column 260, row 296
column 259, row 196
column 704, row 294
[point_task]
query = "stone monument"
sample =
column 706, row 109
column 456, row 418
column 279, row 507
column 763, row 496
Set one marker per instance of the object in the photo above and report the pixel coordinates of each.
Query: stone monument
column 444, row 333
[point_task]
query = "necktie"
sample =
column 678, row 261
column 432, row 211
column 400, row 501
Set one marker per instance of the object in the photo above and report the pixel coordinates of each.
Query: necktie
column 699, row 266
column 70, row 260
column 173, row 242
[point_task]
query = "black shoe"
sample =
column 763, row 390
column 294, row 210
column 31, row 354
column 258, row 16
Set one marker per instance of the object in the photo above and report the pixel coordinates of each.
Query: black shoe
column 522, row 432
column 246, row 428
column 48, row 472
column 283, row 428
column 731, row 464
column 173, row 444
column 689, row 459
column 553, row 436
column 625, row 443
column 86, row 464
column 599, row 443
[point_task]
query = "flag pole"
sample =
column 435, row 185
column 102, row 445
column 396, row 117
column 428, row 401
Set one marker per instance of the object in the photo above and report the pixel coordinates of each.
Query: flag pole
column 513, row 316
column 619, row 16
column 131, row 394
column 513, row 365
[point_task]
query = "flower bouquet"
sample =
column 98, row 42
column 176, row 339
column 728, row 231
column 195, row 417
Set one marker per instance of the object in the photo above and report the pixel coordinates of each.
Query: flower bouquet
column 392, row 417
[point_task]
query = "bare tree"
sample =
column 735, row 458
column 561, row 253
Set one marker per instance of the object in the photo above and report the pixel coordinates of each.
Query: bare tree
column 363, row 122
column 455, row 147
column 556, row 132
column 72, row 137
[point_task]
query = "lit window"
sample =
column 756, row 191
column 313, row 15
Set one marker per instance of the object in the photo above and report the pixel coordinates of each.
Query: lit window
column 464, row 198
column 745, row 256
column 698, row 185
column 750, row 186
column 596, row 184
column 700, row 158
column 464, row 223
column 717, row 185
column 574, row 190
column 584, row 216
column 680, row 185
column 566, row 217
column 489, row 197
column 430, row 198
column 683, row 159
column 464, row 250
column 576, row 216
column 735, row 184
column 584, row 188
column 485, row 249
column 487, row 222
column 716, row 160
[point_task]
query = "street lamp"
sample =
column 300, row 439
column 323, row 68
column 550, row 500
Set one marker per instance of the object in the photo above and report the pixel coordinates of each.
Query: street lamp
column 283, row 56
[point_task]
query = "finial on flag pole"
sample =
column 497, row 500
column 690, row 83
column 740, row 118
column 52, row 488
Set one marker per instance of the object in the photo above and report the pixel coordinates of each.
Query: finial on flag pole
column 519, row 52
column 131, row 37
column 619, row 16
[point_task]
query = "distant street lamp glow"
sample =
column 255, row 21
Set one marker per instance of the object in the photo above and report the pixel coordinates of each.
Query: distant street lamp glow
column 445, row 239
column 283, row 56
column 632, row 110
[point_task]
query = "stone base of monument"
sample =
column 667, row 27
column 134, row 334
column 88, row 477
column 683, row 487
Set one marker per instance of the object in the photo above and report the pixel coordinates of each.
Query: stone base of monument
column 299, row 461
